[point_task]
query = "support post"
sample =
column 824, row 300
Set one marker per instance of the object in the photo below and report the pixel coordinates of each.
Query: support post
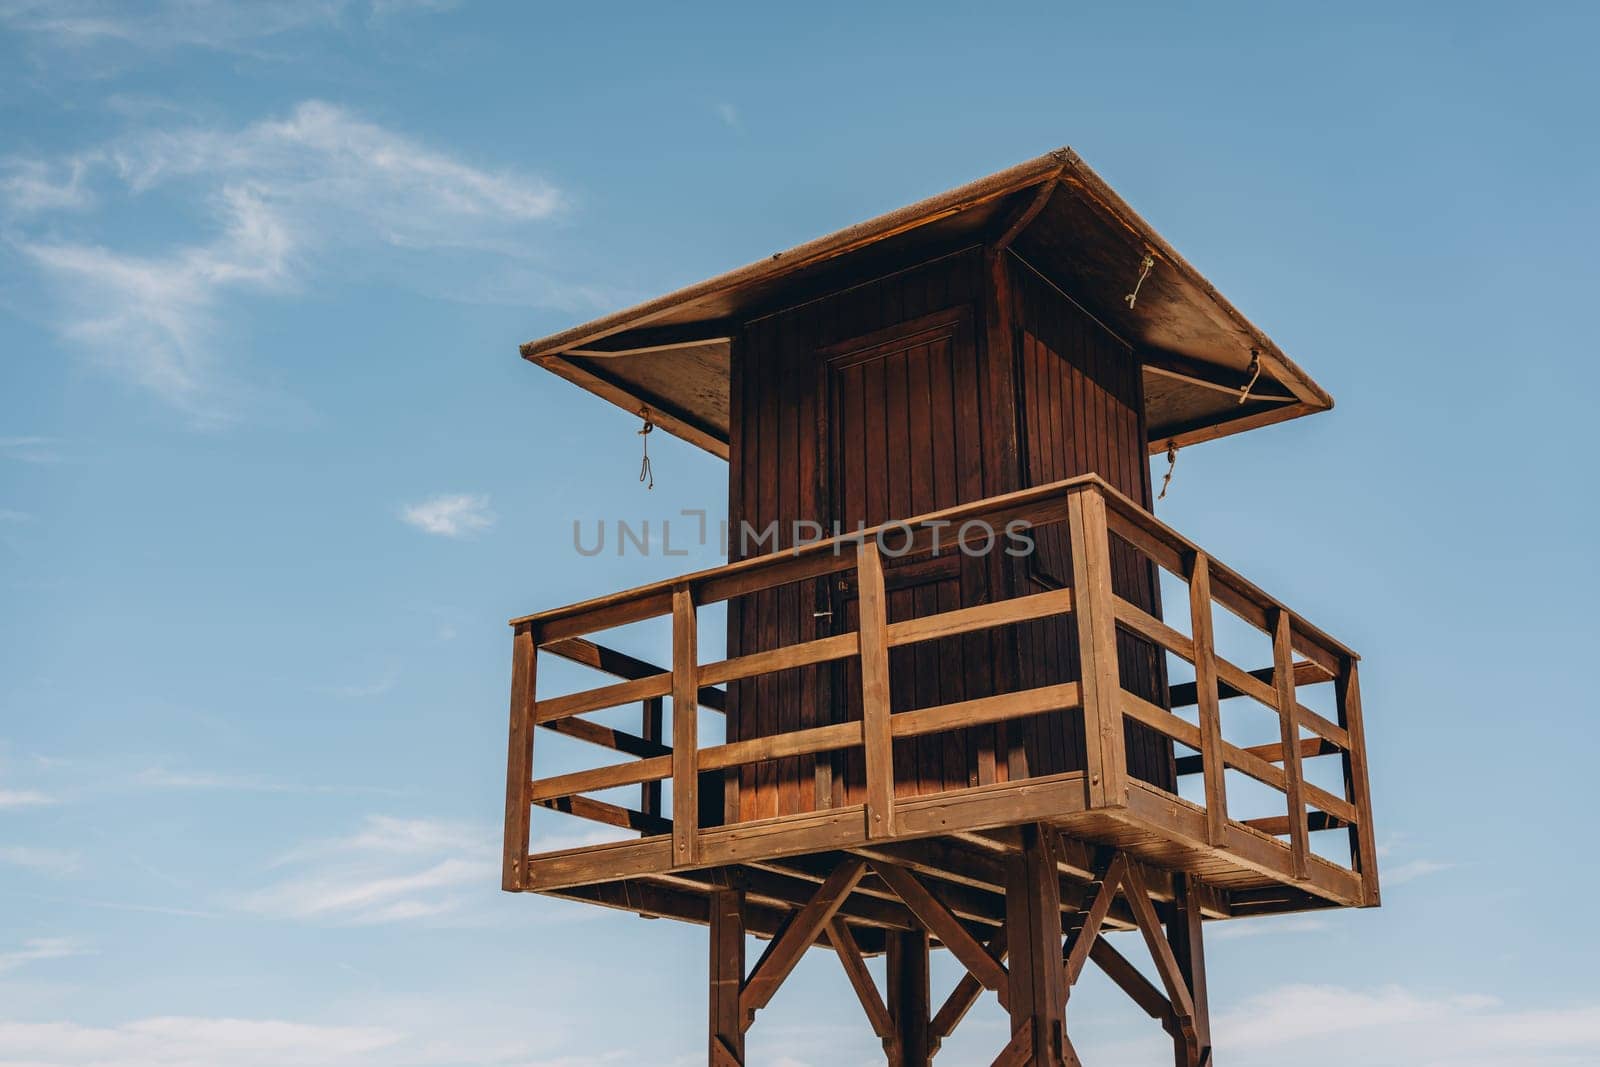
column 1188, row 949
column 1289, row 723
column 685, row 728
column 1033, row 932
column 1094, row 609
column 727, row 1028
column 879, row 758
column 907, row 965
column 519, row 760
column 1363, row 845
column 1206, row 700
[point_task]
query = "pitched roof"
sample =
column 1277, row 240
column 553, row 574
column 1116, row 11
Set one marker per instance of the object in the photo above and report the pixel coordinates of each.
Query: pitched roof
column 671, row 354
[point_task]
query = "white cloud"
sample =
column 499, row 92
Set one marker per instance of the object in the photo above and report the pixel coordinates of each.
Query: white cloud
column 389, row 870
column 191, row 1041
column 1314, row 1026
column 43, row 860
column 451, row 515
column 41, row 948
column 287, row 200
column 729, row 115
column 163, row 778
column 23, row 798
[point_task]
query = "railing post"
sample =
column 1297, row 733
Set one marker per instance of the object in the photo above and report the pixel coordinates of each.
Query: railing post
column 1289, row 725
column 685, row 729
column 1357, row 790
column 1205, row 691
column 1095, row 612
column 519, row 760
column 878, row 741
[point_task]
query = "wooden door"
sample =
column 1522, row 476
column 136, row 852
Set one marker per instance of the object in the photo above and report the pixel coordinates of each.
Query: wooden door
column 904, row 438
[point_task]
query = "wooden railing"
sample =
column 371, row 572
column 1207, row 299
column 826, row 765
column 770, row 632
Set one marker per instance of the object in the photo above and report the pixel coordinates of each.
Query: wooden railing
column 1095, row 514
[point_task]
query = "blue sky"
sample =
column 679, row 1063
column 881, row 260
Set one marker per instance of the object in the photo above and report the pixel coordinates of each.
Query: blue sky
column 272, row 478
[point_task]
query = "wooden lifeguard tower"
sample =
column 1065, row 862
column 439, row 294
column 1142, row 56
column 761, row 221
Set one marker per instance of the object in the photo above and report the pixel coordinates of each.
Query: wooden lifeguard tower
column 935, row 737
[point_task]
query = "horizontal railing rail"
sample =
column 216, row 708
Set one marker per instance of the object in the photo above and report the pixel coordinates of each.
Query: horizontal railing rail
column 1096, row 517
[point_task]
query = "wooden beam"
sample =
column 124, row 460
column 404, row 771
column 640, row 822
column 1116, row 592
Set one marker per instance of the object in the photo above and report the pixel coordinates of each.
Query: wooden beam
column 519, row 761
column 685, row 729
column 1084, row 928
column 873, row 611
column 1289, row 723
column 907, row 968
column 1018, row 1051
column 651, row 723
column 1184, row 934
column 1132, row 981
column 945, row 926
column 1033, row 919
column 1206, row 696
column 1020, row 219
column 1363, row 844
column 610, row 814
column 855, row 968
column 1097, row 648
column 727, row 941
column 581, row 650
column 965, row 994
column 785, row 950
column 1138, row 896
column 609, row 737
column 1305, row 673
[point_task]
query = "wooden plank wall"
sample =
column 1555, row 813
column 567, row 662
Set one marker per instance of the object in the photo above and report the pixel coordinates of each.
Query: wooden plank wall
column 1081, row 410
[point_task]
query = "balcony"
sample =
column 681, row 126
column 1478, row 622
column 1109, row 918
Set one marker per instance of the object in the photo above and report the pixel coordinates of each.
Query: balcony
column 1282, row 824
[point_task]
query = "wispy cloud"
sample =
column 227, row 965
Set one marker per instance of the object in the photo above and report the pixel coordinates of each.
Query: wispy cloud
column 282, row 200
column 729, row 116
column 24, row 798
column 41, row 948
column 42, row 860
column 166, row 25
column 389, row 870
column 165, row 778
column 451, row 515
column 30, row 449
column 196, row 1041
column 1314, row 1025
column 1411, row 870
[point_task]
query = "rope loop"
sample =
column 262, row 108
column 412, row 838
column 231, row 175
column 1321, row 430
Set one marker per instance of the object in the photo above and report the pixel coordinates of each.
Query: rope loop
column 646, row 474
column 1255, row 373
column 1172, row 465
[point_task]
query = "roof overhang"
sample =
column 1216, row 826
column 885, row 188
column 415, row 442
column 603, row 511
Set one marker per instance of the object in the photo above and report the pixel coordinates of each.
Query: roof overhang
column 670, row 355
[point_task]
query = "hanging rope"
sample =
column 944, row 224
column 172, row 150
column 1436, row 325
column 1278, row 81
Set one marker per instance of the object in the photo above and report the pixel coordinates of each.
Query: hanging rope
column 645, row 473
column 1144, row 272
column 1255, row 373
column 1172, row 464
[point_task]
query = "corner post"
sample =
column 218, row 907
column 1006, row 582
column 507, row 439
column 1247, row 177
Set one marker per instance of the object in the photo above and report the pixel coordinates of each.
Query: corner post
column 907, row 967
column 1363, row 844
column 1038, row 996
column 876, row 736
column 685, row 728
column 1206, row 698
column 1289, row 727
column 519, row 760
column 726, row 1039
column 1094, row 608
